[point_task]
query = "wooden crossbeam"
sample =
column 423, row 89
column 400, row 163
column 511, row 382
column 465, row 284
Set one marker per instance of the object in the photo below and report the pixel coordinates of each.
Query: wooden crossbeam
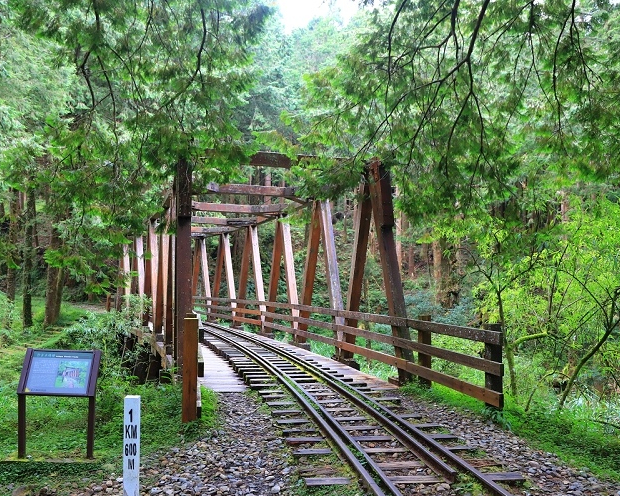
column 210, row 231
column 221, row 221
column 232, row 208
column 250, row 190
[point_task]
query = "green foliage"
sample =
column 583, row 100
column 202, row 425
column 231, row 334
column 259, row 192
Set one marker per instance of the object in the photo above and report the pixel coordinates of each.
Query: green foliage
column 57, row 425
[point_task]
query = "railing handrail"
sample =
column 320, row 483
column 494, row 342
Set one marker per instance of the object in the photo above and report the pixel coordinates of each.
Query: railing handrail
column 263, row 314
column 464, row 332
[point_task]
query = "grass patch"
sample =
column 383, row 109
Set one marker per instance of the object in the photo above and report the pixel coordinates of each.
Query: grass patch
column 56, row 426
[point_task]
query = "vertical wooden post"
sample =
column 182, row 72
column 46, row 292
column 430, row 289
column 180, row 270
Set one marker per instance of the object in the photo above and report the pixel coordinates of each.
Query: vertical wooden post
column 126, row 274
column 312, row 255
column 424, row 337
column 183, row 252
column 155, row 277
column 274, row 276
column 219, row 263
column 167, row 312
column 230, row 276
column 494, row 352
column 289, row 270
column 383, row 214
column 204, row 267
column 244, row 270
column 196, row 267
column 190, row 368
column 139, row 243
column 258, row 271
column 361, row 228
column 332, row 273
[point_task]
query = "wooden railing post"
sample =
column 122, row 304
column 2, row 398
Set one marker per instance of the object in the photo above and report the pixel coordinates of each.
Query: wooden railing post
column 190, row 368
column 424, row 337
column 493, row 352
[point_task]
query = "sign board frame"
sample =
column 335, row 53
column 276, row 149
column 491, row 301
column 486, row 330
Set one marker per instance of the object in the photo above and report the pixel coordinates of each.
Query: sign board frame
column 58, row 373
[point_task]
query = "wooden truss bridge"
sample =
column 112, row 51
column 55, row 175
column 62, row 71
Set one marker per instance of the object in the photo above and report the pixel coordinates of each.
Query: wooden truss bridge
column 174, row 266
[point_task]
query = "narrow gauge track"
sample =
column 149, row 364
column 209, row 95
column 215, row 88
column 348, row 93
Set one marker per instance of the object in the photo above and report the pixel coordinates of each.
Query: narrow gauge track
column 382, row 447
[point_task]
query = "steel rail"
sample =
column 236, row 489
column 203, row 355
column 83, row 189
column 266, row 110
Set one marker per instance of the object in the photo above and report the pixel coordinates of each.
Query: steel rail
column 393, row 422
column 311, row 409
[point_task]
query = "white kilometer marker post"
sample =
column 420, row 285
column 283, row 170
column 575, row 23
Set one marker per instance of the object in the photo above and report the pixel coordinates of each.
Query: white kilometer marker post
column 131, row 447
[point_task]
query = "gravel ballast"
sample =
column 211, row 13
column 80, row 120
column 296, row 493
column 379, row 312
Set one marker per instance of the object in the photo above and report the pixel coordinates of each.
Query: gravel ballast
column 246, row 457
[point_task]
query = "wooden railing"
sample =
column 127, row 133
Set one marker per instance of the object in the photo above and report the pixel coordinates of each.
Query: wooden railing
column 297, row 319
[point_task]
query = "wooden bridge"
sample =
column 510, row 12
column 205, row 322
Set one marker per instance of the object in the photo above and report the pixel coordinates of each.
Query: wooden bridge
column 174, row 266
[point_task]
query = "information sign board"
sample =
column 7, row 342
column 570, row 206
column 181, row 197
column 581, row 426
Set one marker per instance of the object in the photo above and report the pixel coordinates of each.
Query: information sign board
column 59, row 372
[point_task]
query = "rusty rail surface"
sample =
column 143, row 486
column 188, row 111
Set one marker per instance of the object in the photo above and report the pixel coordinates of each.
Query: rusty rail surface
column 295, row 320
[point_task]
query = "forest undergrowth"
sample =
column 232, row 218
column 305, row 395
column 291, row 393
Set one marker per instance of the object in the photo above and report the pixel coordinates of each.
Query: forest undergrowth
column 56, row 426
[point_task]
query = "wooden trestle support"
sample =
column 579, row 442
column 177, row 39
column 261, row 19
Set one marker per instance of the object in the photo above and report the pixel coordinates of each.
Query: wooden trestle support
column 174, row 270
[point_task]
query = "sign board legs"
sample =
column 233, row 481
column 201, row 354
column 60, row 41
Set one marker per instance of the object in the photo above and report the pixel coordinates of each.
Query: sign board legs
column 21, row 426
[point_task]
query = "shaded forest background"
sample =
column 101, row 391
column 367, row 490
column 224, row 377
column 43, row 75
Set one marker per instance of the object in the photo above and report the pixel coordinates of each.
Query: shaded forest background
column 499, row 121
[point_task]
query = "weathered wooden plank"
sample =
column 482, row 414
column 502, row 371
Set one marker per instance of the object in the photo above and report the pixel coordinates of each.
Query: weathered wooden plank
column 276, row 258
column 249, row 189
column 196, row 266
column 139, row 245
column 233, row 208
column 289, row 269
column 183, row 255
column 424, row 359
column 219, row 264
column 400, row 465
column 190, row 368
column 332, row 274
column 212, row 231
column 166, row 273
column 156, row 277
column 230, row 276
column 493, row 352
column 258, row 271
column 361, row 228
column 221, row 221
column 204, row 267
column 415, row 479
column 126, row 272
column 312, row 451
column 475, row 362
column 505, row 476
column 470, row 333
column 314, row 238
column 303, row 440
column 491, row 397
column 244, row 270
column 383, row 214
column 327, row 481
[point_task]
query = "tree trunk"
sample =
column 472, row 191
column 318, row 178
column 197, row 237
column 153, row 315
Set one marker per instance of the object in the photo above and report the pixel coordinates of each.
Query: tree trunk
column 54, row 284
column 446, row 285
column 411, row 261
column 28, row 259
column 11, row 276
column 399, row 239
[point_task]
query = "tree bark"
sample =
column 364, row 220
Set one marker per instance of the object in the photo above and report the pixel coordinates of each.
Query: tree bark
column 28, row 259
column 54, row 284
column 446, row 285
column 11, row 276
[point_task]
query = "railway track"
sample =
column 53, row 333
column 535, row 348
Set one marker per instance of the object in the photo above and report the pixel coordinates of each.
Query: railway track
column 324, row 414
